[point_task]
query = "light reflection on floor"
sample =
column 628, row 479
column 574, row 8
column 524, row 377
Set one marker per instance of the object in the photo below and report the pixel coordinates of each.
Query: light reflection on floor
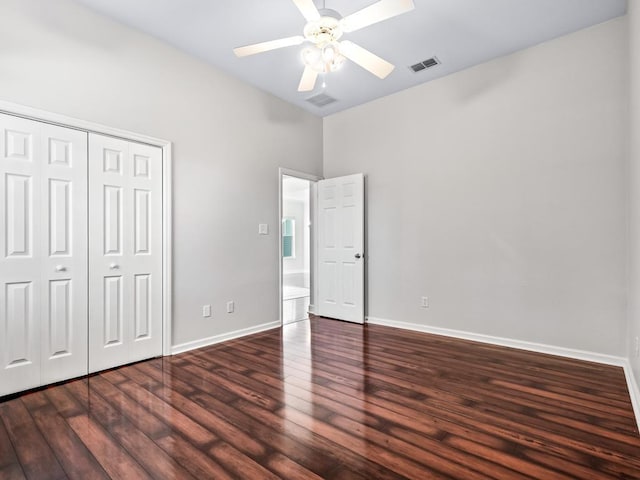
column 305, row 396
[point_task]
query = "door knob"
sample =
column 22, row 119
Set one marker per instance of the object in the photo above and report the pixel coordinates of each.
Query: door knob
column 358, row 255
column 60, row 268
column 114, row 266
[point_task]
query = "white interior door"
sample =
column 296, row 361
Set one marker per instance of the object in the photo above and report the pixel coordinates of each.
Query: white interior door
column 64, row 253
column 20, row 264
column 125, row 252
column 43, row 260
column 341, row 248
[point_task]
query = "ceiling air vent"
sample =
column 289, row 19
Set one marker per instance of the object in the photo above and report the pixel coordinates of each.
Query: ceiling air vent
column 321, row 100
column 428, row 63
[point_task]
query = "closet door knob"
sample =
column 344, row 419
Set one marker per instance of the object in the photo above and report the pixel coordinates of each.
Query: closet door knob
column 60, row 268
column 114, row 266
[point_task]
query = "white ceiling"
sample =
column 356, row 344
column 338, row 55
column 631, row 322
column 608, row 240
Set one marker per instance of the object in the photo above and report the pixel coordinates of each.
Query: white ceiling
column 461, row 33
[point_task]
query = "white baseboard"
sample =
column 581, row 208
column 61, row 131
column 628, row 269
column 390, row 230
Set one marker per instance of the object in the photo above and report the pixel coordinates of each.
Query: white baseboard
column 505, row 342
column 205, row 342
column 634, row 391
column 632, row 385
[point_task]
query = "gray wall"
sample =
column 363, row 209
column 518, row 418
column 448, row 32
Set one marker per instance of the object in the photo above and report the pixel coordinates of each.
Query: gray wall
column 500, row 193
column 229, row 140
column 634, row 264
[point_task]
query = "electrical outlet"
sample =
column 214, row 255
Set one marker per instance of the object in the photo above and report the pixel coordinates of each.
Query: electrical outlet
column 231, row 307
column 637, row 347
column 206, row 310
column 263, row 229
column 424, row 302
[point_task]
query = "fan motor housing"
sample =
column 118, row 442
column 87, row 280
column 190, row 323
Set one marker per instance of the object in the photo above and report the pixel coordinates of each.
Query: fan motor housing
column 325, row 30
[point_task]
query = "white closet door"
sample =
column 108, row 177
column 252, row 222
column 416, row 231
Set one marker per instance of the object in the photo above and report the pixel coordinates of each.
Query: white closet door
column 20, row 210
column 64, row 253
column 125, row 252
column 43, row 309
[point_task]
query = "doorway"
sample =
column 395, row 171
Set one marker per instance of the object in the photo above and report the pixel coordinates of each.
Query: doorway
column 296, row 245
column 321, row 247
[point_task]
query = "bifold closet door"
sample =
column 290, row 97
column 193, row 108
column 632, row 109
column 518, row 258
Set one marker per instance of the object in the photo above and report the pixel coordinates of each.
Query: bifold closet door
column 43, row 253
column 125, row 252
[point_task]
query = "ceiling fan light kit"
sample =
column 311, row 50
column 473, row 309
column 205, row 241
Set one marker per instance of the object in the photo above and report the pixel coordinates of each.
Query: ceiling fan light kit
column 323, row 60
column 323, row 30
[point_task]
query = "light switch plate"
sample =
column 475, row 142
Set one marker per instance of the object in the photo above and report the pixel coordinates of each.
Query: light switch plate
column 231, row 306
column 206, row 310
column 263, row 229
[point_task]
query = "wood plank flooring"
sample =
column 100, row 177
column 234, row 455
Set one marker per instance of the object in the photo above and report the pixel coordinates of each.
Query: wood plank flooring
column 327, row 399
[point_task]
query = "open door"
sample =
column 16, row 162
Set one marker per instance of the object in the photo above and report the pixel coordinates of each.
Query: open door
column 341, row 248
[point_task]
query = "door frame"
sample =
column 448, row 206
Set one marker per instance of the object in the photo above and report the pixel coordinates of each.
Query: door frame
column 282, row 172
column 38, row 115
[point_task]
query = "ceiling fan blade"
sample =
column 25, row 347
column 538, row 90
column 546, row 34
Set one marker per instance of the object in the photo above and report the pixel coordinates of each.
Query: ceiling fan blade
column 308, row 80
column 367, row 60
column 266, row 46
column 379, row 11
column 308, row 9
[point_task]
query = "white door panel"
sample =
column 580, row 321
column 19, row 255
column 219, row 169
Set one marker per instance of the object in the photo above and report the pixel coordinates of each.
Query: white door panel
column 341, row 248
column 43, row 246
column 64, row 253
column 19, row 210
column 20, row 348
column 146, row 245
column 125, row 285
column 113, row 325
column 20, row 286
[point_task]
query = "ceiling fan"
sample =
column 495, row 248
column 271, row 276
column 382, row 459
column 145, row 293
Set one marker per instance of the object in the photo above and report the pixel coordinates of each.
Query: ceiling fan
column 323, row 30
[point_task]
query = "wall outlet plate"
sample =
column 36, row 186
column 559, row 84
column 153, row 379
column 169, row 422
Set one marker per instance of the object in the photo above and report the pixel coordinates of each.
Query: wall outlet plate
column 263, row 229
column 206, row 310
column 424, row 302
column 231, row 306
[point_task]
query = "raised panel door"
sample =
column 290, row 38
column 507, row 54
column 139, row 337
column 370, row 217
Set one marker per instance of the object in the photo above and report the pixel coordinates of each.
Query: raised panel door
column 125, row 285
column 341, row 248
column 20, row 283
column 43, row 262
column 64, row 253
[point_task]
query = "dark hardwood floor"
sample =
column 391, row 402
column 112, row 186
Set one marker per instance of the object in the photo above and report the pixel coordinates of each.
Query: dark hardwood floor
column 327, row 399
